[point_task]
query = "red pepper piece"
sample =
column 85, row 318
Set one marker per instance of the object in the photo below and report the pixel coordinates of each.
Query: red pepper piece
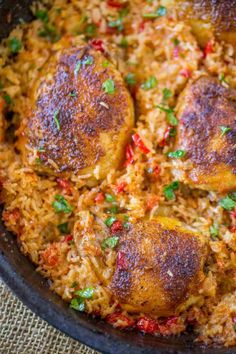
column 147, row 325
column 113, row 3
column 121, row 187
column 140, row 144
column 65, row 185
column 129, row 153
column 142, row 26
column 99, row 198
column 116, row 227
column 121, row 260
column 68, row 238
column 50, row 256
column 97, row 44
column 166, row 136
column 186, row 73
column 208, row 49
column 118, row 316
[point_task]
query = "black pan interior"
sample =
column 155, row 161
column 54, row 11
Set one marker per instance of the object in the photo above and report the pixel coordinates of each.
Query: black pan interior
column 18, row 272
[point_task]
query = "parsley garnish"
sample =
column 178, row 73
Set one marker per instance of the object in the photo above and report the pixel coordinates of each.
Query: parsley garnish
column 224, row 129
column 118, row 23
column 105, row 64
column 63, row 228
column 15, row 45
column 130, row 79
column 91, row 29
column 214, row 231
column 123, row 43
column 161, row 11
column 42, row 15
column 49, row 32
column 176, row 154
column 172, row 120
column 109, row 86
column 7, row 99
column 109, row 198
column 149, row 84
column 222, row 78
column 88, row 61
column 86, row 293
column 78, row 303
column 77, row 67
column 166, row 94
column 109, row 221
column 110, row 242
column 55, row 117
column 169, row 190
column 73, row 94
column 227, row 203
column 60, row 205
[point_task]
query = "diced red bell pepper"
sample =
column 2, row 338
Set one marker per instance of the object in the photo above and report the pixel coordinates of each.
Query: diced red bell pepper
column 121, row 187
column 50, row 256
column 118, row 316
column 121, row 260
column 186, row 73
column 116, row 227
column 65, row 185
column 114, row 3
column 140, row 144
column 208, row 49
column 97, row 44
column 147, row 325
column 129, row 153
column 99, row 198
column 165, row 327
column 142, row 26
column 68, row 238
column 156, row 171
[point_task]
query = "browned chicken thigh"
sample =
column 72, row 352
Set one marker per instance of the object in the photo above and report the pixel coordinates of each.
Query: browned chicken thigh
column 80, row 117
column 207, row 133
column 159, row 267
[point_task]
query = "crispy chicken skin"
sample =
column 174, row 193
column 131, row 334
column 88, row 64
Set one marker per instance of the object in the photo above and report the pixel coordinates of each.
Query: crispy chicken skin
column 204, row 109
column 73, row 126
column 159, row 267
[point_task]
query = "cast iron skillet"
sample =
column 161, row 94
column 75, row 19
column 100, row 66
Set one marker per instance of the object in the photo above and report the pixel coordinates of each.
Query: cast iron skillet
column 19, row 274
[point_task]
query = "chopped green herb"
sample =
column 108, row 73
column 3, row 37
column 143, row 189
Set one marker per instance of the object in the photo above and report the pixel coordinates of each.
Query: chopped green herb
column 7, row 99
column 130, row 79
column 172, row 132
column 233, row 196
column 63, row 228
column 60, row 205
column 222, row 78
column 42, row 15
column 86, row 293
column 105, row 64
column 109, row 86
column 41, row 149
column 124, row 43
column 227, row 203
column 88, row 61
column 73, row 94
column 49, row 32
column 214, row 231
column 55, row 117
column 172, row 120
column 176, row 41
column 161, row 11
column 77, row 304
column 113, row 210
column 91, row 29
column 118, row 23
column 109, row 198
column 38, row 161
column 224, row 129
column 74, row 284
column 166, row 94
column 149, row 84
column 77, row 67
column 15, row 45
column 110, row 242
column 176, row 154
column 169, row 190
column 109, row 221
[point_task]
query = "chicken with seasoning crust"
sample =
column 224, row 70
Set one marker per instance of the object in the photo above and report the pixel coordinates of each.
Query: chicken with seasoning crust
column 207, row 134
column 159, row 267
column 80, row 118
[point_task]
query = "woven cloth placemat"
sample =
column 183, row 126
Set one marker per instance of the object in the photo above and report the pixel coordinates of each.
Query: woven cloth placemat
column 22, row 332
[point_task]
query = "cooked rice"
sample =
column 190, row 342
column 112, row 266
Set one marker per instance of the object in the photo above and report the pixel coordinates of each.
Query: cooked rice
column 28, row 197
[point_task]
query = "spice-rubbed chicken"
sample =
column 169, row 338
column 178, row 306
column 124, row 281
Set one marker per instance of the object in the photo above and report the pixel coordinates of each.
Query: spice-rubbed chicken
column 207, row 133
column 80, row 118
column 159, row 267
